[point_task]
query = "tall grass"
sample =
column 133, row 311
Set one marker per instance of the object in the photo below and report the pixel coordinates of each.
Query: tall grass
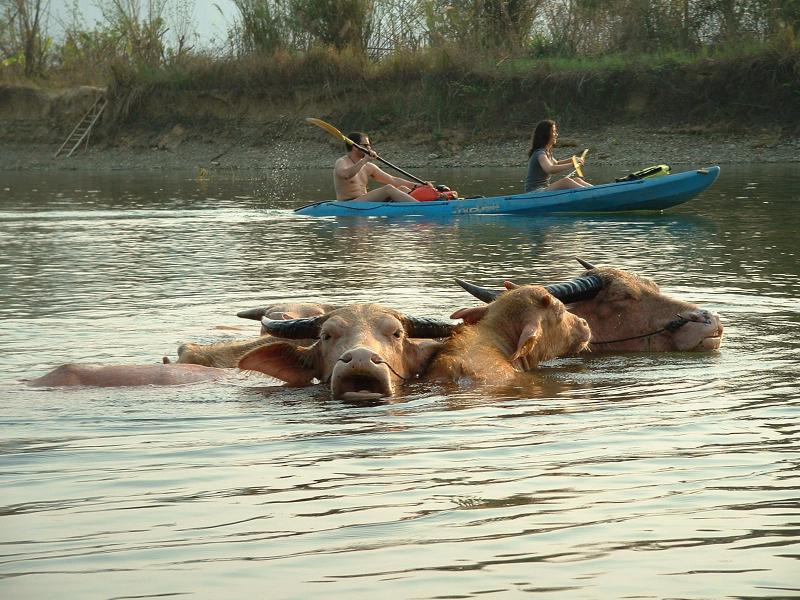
column 495, row 65
column 438, row 89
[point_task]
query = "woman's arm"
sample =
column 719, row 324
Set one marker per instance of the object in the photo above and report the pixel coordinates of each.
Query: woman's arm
column 551, row 166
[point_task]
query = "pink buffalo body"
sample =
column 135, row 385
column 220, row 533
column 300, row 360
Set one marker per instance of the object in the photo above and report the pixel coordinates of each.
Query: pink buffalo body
column 362, row 351
column 74, row 374
column 227, row 354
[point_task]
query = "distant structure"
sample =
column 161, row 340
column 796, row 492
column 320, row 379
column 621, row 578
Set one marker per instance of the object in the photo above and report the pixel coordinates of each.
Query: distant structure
column 80, row 134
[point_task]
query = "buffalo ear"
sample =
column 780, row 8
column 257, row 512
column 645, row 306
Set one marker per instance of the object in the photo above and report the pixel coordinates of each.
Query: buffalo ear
column 470, row 315
column 421, row 353
column 280, row 316
column 527, row 339
column 510, row 285
column 282, row 360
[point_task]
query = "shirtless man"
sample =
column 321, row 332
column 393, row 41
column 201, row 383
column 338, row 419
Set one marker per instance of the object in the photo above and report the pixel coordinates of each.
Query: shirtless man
column 352, row 171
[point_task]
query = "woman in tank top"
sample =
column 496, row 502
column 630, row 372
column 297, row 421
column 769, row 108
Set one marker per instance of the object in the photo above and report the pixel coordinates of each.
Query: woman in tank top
column 541, row 164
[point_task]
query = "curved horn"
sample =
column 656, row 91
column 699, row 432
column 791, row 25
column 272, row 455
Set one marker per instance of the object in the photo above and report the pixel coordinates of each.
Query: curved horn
column 252, row 313
column 580, row 288
column 293, row 329
column 481, row 293
column 584, row 264
column 423, row 327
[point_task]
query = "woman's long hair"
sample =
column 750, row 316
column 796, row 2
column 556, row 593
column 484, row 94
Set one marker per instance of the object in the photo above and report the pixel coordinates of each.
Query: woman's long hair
column 541, row 135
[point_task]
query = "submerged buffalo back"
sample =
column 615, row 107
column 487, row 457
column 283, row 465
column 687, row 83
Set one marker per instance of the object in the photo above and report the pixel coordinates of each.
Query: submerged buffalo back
column 224, row 354
column 73, row 374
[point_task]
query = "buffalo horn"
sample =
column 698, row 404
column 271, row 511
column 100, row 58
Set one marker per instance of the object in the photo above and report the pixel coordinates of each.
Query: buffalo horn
column 584, row 264
column 423, row 327
column 293, row 329
column 481, row 293
column 252, row 313
column 581, row 288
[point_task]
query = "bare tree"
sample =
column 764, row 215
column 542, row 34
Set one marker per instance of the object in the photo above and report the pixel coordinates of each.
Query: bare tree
column 140, row 25
column 22, row 38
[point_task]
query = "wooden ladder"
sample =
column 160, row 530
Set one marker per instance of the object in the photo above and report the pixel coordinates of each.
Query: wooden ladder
column 84, row 126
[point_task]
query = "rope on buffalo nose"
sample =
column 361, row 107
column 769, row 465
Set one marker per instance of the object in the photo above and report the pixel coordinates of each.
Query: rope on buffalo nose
column 377, row 362
column 383, row 362
column 670, row 327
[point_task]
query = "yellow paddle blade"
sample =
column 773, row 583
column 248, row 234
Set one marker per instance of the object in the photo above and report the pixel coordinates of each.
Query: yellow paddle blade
column 577, row 166
column 329, row 128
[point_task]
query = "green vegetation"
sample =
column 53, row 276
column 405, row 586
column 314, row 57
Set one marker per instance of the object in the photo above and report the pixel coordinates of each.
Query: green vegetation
column 484, row 65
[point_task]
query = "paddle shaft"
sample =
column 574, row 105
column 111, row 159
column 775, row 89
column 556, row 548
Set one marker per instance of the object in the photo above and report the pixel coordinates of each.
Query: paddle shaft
column 387, row 163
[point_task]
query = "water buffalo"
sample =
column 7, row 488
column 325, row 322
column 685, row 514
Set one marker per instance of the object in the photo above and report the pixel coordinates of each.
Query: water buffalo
column 74, row 374
column 286, row 310
column 520, row 329
column 226, row 354
column 364, row 351
column 628, row 313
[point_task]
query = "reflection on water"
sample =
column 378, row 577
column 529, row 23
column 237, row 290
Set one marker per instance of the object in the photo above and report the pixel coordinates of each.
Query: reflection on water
column 607, row 476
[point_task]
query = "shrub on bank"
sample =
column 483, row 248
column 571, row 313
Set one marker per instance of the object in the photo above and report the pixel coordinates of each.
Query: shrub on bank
column 442, row 88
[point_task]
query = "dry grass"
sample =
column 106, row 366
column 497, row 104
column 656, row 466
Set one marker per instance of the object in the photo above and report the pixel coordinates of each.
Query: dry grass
column 448, row 89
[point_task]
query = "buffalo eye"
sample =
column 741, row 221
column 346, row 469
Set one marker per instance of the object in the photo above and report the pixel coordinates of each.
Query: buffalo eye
column 398, row 333
column 325, row 336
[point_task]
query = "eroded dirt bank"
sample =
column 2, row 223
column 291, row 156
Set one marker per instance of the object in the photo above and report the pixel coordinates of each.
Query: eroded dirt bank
column 214, row 133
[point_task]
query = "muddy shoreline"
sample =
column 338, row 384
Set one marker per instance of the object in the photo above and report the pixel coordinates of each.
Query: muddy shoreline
column 190, row 132
column 178, row 149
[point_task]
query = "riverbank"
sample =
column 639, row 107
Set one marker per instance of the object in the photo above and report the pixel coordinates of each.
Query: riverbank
column 305, row 147
column 202, row 131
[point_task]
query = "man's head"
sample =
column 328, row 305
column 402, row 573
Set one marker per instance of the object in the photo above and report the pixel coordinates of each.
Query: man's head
column 360, row 138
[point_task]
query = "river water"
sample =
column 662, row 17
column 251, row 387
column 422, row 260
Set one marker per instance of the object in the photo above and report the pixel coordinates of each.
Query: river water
column 612, row 476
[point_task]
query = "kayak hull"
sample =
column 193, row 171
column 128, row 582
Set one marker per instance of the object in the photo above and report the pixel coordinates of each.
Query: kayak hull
column 657, row 193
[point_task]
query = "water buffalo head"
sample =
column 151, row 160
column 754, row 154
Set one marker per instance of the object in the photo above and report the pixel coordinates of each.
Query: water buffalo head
column 521, row 328
column 629, row 313
column 286, row 310
column 533, row 322
column 364, row 351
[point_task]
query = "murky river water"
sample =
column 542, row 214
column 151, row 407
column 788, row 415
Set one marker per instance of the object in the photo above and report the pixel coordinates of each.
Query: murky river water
column 614, row 476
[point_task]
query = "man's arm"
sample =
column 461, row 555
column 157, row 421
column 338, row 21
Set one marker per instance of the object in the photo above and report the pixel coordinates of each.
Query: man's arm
column 382, row 176
column 345, row 171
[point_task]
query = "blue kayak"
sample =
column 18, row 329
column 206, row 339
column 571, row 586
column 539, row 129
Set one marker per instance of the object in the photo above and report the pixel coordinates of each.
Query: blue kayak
column 656, row 193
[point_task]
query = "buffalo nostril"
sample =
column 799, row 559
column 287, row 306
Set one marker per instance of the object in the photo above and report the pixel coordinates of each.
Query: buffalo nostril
column 346, row 358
